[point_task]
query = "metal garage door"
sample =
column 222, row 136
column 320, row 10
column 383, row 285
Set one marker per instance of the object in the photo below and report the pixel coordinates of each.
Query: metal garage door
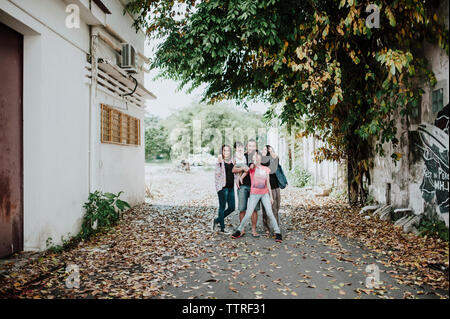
column 11, row 167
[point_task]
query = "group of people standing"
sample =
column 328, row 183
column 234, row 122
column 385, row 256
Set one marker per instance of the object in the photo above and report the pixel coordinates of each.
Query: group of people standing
column 258, row 178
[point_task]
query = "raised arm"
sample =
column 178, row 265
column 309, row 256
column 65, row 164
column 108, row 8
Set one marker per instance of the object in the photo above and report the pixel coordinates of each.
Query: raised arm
column 272, row 153
column 237, row 170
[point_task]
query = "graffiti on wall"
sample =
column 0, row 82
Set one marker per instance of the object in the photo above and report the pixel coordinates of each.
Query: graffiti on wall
column 434, row 140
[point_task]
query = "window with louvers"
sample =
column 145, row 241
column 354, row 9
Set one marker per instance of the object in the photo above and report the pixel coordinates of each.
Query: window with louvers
column 119, row 128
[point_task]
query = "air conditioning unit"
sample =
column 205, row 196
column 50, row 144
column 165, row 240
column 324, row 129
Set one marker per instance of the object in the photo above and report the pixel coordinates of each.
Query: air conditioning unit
column 129, row 58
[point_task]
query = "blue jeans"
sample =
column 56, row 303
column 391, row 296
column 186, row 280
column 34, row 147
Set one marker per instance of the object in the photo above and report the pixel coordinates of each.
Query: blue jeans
column 243, row 193
column 226, row 196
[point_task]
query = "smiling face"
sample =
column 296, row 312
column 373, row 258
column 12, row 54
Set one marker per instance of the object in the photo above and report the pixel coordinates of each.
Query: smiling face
column 226, row 152
column 240, row 149
column 251, row 146
column 257, row 159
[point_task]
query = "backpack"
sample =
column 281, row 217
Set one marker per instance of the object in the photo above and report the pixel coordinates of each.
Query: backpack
column 282, row 181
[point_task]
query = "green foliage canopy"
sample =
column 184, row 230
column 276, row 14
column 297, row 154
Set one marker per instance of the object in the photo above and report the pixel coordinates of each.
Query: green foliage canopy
column 345, row 82
column 222, row 118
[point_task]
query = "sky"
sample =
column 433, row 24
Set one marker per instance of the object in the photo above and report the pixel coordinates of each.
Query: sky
column 169, row 98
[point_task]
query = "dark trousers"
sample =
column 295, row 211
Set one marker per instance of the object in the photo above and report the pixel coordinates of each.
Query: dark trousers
column 226, row 196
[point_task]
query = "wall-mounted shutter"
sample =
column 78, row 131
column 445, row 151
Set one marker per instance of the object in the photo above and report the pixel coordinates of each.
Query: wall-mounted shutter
column 119, row 128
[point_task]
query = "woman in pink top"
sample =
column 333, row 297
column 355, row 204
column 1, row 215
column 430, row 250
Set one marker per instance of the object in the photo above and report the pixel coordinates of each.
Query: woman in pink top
column 259, row 190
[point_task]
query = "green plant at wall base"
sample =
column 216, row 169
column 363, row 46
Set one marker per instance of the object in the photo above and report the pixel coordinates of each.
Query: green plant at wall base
column 370, row 200
column 300, row 177
column 53, row 247
column 65, row 244
column 102, row 211
column 433, row 228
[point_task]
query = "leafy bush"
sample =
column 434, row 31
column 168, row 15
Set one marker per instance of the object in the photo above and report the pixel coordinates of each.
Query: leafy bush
column 370, row 200
column 339, row 193
column 52, row 247
column 300, row 177
column 220, row 117
column 157, row 145
column 433, row 228
column 102, row 211
column 65, row 243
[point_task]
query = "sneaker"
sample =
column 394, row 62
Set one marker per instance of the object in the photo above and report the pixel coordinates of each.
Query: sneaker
column 225, row 232
column 213, row 224
column 236, row 234
column 278, row 238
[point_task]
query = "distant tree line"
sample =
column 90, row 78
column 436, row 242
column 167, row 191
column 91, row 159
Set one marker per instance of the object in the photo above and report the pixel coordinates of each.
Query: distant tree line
column 220, row 117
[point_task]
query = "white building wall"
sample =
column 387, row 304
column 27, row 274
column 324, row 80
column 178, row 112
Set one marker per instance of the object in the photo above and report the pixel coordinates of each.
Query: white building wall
column 56, row 121
column 122, row 25
column 439, row 63
column 324, row 173
column 274, row 140
column 120, row 167
column 407, row 175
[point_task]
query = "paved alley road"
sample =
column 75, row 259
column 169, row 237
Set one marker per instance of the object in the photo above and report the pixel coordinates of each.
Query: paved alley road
column 164, row 249
column 313, row 264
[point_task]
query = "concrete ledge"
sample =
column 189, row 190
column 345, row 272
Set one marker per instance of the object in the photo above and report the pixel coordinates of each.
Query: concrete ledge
column 409, row 226
column 377, row 211
column 403, row 210
column 368, row 209
column 382, row 210
column 386, row 214
column 402, row 221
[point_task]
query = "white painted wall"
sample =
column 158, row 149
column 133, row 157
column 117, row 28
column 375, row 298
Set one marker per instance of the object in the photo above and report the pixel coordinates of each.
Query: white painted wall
column 324, row 173
column 406, row 177
column 118, row 167
column 56, row 121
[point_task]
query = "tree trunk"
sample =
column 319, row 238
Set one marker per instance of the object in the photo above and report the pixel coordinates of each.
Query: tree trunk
column 358, row 154
column 289, row 154
column 352, row 185
column 293, row 151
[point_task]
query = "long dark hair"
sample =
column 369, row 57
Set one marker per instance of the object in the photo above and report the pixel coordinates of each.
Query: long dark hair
column 223, row 147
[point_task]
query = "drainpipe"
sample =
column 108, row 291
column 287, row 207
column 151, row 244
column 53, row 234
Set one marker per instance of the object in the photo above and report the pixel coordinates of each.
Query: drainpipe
column 93, row 107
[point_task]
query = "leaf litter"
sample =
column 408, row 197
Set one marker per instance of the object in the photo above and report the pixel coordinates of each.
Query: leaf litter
column 165, row 245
